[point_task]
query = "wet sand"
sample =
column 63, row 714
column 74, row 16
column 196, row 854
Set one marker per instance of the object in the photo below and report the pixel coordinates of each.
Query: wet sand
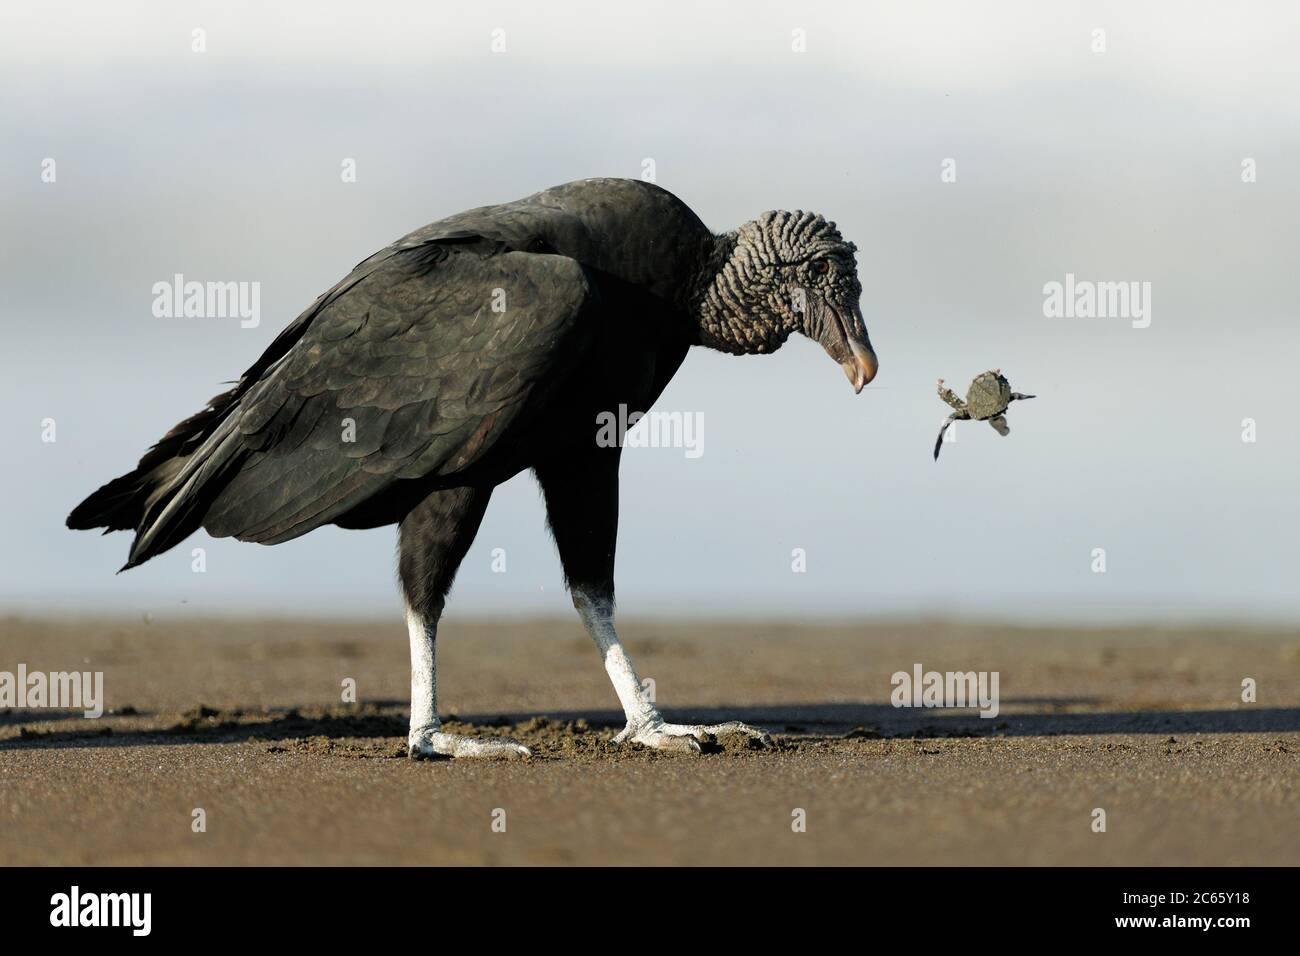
column 244, row 720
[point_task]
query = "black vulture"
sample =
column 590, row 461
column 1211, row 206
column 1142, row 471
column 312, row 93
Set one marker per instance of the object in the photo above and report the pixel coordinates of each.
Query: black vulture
column 466, row 352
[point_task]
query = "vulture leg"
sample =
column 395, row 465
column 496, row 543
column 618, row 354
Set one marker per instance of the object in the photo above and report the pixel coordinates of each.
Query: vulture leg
column 433, row 539
column 582, row 510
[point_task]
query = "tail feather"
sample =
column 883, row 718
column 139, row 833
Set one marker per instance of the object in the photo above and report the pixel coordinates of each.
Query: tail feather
column 110, row 507
column 165, row 498
column 176, row 510
column 134, row 501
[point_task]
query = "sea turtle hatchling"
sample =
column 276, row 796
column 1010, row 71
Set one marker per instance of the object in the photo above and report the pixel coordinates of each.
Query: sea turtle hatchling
column 986, row 400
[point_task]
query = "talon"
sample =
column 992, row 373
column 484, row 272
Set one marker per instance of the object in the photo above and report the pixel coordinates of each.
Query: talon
column 688, row 738
column 686, row 745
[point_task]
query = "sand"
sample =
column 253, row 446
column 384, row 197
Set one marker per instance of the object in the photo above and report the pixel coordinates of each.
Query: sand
column 244, row 720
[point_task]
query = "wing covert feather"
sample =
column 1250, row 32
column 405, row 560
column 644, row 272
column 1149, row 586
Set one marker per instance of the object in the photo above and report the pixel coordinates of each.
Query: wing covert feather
column 408, row 373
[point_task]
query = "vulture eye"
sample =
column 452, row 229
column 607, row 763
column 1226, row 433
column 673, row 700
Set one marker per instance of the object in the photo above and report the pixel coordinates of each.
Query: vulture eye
column 819, row 267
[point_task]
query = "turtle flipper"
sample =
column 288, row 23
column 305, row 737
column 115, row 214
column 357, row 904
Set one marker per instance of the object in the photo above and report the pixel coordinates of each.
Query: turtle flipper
column 999, row 423
column 951, row 398
column 938, row 442
column 1020, row 396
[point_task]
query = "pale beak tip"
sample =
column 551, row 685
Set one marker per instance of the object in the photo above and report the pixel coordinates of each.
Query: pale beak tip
column 861, row 369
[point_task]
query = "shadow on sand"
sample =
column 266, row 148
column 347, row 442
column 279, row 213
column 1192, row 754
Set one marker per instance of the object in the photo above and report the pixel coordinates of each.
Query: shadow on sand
column 1036, row 717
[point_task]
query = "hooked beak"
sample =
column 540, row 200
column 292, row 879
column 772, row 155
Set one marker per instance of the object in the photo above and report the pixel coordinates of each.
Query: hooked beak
column 861, row 366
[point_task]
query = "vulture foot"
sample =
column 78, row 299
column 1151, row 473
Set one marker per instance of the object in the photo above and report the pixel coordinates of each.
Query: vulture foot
column 687, row 738
column 427, row 744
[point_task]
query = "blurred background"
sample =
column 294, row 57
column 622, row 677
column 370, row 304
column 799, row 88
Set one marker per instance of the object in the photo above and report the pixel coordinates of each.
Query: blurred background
column 1122, row 164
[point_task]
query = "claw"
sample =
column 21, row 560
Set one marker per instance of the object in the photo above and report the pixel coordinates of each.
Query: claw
column 671, row 744
column 687, row 738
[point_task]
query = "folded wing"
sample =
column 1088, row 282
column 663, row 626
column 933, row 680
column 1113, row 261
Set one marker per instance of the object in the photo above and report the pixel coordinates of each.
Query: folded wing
column 416, row 369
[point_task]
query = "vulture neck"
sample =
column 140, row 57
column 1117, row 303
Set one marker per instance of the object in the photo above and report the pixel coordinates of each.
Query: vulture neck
column 726, row 316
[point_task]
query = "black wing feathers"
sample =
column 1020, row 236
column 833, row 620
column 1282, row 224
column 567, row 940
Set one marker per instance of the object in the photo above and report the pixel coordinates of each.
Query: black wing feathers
column 409, row 374
column 404, row 370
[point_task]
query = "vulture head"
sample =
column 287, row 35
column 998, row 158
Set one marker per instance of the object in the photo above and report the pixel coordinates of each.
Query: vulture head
column 788, row 272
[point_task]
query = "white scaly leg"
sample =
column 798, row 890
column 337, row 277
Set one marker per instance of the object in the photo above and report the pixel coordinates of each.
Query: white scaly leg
column 645, row 725
column 426, row 738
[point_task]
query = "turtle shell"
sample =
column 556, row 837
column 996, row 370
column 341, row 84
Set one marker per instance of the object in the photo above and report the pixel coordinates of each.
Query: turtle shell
column 988, row 396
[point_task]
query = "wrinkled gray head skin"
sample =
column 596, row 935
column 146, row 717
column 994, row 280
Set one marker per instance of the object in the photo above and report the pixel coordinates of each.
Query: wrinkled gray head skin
column 789, row 272
column 989, row 395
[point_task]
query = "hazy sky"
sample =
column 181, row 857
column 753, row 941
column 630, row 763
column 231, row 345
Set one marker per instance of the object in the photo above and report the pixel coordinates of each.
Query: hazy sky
column 1117, row 166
